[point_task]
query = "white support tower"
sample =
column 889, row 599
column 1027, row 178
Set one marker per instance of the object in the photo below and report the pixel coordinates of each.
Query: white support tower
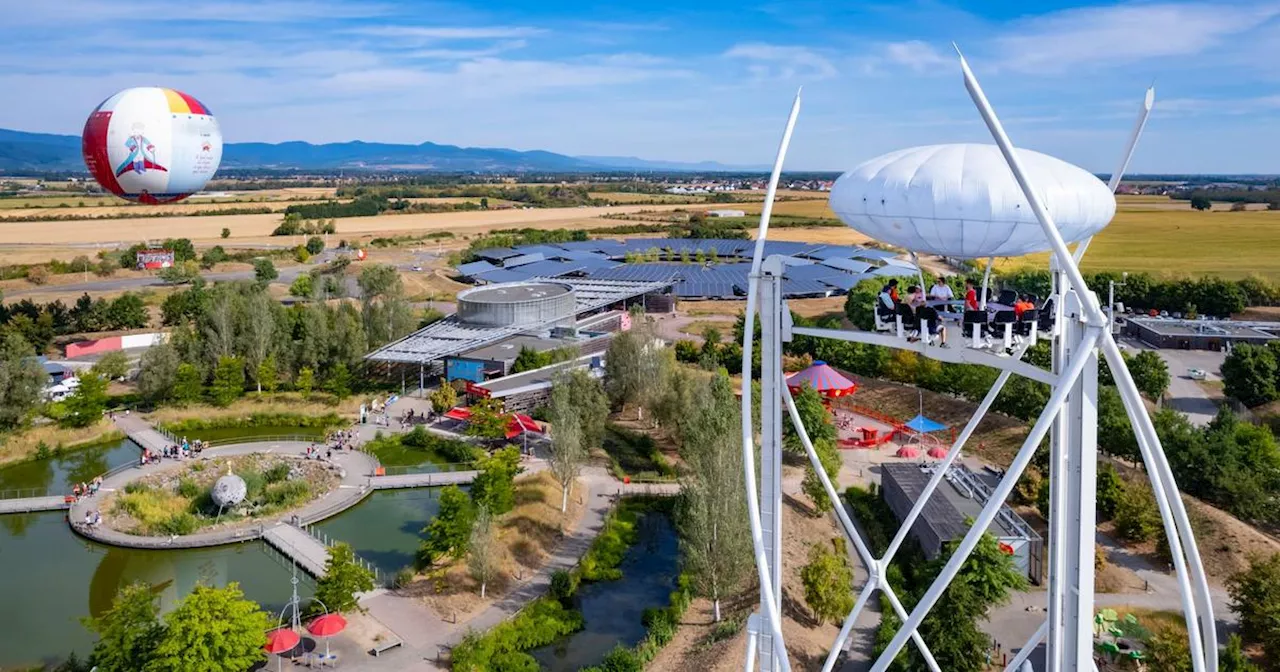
column 1079, row 332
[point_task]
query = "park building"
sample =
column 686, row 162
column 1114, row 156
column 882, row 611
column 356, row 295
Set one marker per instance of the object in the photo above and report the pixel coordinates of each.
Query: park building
column 481, row 341
column 1199, row 334
column 957, row 501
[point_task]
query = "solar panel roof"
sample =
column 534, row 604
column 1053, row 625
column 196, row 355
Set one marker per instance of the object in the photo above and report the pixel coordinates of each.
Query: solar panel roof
column 849, row 265
column 523, row 259
column 549, row 268
column 497, row 253
column 833, row 252
column 503, row 275
column 475, row 267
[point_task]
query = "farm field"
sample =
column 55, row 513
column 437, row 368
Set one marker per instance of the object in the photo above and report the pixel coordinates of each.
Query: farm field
column 257, row 228
column 1163, row 242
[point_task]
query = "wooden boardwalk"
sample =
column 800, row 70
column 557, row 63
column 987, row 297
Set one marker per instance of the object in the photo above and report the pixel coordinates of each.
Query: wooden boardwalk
column 142, row 433
column 30, row 504
column 297, row 545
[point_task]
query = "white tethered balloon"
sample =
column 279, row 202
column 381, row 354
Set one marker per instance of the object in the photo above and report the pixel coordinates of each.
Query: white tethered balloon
column 970, row 202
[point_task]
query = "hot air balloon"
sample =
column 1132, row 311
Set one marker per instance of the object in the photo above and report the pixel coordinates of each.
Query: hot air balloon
column 152, row 145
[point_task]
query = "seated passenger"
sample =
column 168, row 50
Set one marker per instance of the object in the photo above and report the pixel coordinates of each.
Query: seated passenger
column 941, row 291
column 1022, row 305
column 915, row 296
column 970, row 296
column 887, row 300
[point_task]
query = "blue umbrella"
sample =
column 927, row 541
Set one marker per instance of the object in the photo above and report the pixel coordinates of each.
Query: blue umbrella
column 924, row 425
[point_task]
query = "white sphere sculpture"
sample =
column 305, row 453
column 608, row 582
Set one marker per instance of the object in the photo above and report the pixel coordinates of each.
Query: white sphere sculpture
column 962, row 201
column 229, row 491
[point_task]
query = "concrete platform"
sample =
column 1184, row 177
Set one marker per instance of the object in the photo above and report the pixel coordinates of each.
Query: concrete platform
column 30, row 504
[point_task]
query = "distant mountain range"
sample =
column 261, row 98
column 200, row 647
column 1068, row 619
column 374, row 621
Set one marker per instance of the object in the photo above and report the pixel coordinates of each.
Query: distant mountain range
column 43, row 152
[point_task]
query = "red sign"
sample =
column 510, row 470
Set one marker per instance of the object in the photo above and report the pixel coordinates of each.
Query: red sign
column 477, row 391
column 1006, row 548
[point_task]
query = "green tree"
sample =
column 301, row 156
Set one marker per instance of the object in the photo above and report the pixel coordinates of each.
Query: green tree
column 158, row 372
column 567, row 450
column 637, row 369
column 715, row 537
column 300, row 254
column 188, row 384
column 1201, row 202
column 228, row 381
column 1249, row 374
column 180, row 273
column 213, row 256
column 128, row 632
column 1110, row 490
column 212, row 630
column 86, row 405
column 257, row 332
column 305, row 381
column 817, row 421
column 494, row 486
column 1137, row 518
column 450, row 530
column 343, row 579
column 315, row 245
column 829, row 458
column 387, row 314
column 487, row 420
column 482, row 560
column 268, row 375
column 128, row 311
column 264, row 271
column 112, row 366
column 443, row 398
column 585, row 392
column 1255, row 598
column 21, row 379
column 828, row 582
column 1150, row 373
column 1232, row 657
column 302, row 287
column 529, row 359
column 226, row 233
column 339, row 381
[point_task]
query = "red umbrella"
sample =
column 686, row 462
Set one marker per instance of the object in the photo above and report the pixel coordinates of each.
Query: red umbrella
column 826, row 380
column 909, row 452
column 937, row 452
column 327, row 626
column 281, row 640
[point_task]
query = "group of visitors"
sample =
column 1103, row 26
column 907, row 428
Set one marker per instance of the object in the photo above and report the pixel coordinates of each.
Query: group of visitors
column 411, row 418
column 89, row 489
column 313, row 452
column 92, row 518
column 889, row 300
column 344, row 439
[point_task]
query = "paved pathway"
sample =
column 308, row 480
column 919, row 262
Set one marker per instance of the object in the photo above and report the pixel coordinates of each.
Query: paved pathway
column 423, row 480
column 30, row 504
column 355, row 469
column 142, row 432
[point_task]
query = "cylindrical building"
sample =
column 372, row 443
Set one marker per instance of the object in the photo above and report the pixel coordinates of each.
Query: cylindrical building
column 518, row 303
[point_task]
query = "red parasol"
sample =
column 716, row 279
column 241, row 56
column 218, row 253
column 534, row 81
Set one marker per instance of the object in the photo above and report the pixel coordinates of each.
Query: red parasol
column 826, row 380
column 327, row 625
column 281, row 640
column 458, row 414
column 909, row 452
column 937, row 452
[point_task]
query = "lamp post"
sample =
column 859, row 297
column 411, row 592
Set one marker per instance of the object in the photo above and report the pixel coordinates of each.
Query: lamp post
column 1111, row 300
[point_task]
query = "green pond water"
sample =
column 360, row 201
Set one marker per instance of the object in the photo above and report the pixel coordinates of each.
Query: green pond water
column 250, row 433
column 50, row 578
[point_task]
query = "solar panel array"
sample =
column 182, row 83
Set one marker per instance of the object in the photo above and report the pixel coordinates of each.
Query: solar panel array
column 811, row 269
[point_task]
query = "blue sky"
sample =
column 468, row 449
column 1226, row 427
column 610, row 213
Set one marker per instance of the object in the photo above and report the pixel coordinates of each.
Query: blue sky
column 687, row 81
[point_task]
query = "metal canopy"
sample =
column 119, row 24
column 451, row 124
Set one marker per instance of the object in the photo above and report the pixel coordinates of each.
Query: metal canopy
column 451, row 336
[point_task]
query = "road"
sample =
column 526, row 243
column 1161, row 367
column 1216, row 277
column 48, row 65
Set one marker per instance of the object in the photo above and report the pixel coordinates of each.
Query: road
column 1185, row 394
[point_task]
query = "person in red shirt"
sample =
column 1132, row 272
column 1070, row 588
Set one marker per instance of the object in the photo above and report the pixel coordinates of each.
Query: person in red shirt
column 1022, row 305
column 970, row 296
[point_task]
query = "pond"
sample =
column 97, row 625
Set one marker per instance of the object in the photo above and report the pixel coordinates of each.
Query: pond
column 612, row 610
column 51, row 578
column 58, row 473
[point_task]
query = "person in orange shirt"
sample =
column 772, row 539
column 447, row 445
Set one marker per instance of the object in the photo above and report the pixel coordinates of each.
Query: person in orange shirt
column 1022, row 305
column 970, row 296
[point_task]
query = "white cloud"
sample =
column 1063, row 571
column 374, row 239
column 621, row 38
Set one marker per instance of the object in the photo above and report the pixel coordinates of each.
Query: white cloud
column 916, row 55
column 449, row 32
column 768, row 61
column 1216, row 106
column 1121, row 34
column 468, row 54
column 240, row 11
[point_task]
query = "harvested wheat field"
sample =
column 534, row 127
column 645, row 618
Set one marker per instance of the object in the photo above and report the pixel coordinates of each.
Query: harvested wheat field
column 209, row 228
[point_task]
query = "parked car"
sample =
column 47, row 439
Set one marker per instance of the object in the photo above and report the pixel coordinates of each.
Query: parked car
column 1197, row 374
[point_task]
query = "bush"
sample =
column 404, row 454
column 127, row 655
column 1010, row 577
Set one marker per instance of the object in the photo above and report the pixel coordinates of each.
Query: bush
column 277, row 473
column 37, row 275
column 179, row 523
column 286, row 493
column 188, row 488
column 621, row 659
column 542, row 622
column 1137, row 518
column 226, row 233
column 315, row 245
column 563, row 585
